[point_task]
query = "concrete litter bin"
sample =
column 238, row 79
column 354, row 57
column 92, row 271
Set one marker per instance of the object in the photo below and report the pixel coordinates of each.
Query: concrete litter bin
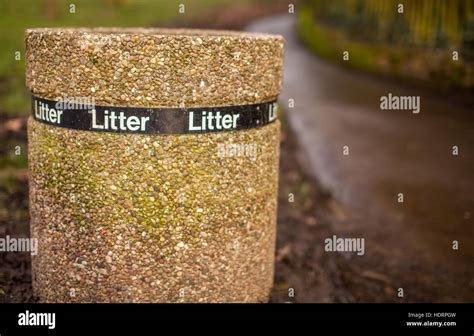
column 153, row 158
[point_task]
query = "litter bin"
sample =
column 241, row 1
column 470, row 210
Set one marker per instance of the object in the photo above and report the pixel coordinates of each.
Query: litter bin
column 153, row 159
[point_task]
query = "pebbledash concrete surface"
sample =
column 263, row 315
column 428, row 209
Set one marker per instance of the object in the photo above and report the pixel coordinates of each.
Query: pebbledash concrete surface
column 123, row 213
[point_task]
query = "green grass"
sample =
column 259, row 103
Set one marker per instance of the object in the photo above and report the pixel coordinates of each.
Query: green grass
column 10, row 160
column 314, row 36
column 331, row 44
column 18, row 15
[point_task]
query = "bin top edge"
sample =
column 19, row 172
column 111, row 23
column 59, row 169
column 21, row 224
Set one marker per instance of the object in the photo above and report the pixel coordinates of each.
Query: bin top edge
column 154, row 32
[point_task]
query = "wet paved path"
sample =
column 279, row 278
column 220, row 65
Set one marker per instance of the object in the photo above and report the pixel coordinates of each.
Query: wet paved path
column 409, row 244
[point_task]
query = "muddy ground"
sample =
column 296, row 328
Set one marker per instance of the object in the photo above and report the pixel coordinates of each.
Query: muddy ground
column 302, row 266
column 304, row 271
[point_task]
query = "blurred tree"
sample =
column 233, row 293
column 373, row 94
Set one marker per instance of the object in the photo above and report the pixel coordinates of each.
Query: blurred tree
column 441, row 38
column 423, row 23
column 398, row 31
column 468, row 40
column 364, row 24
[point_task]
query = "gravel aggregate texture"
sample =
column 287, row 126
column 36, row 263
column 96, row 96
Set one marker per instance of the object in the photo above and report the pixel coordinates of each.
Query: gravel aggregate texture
column 153, row 218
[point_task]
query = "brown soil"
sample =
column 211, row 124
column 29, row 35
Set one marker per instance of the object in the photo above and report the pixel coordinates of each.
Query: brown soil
column 302, row 265
column 15, row 273
column 304, row 272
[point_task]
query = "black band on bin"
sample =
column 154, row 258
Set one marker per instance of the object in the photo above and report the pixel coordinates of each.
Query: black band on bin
column 112, row 119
